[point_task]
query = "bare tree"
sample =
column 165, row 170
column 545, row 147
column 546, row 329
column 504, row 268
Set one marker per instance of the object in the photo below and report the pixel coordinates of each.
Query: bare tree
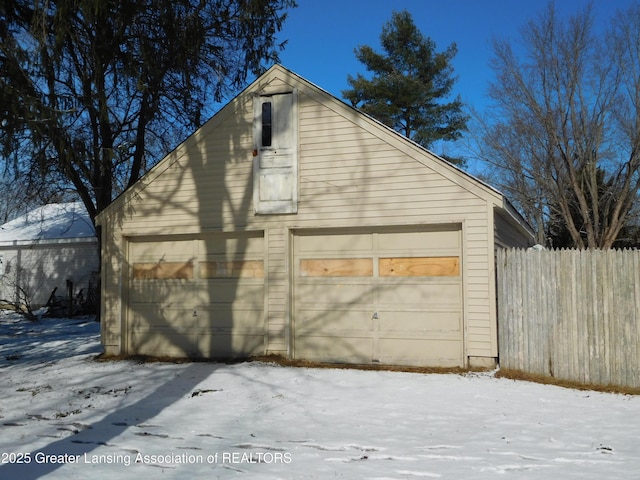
column 564, row 135
column 89, row 87
column 23, row 190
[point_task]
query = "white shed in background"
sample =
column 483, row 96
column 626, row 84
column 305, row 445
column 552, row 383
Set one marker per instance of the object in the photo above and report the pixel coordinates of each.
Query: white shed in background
column 44, row 248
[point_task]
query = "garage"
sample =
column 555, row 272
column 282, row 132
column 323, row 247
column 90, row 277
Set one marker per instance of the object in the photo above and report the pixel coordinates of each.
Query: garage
column 196, row 297
column 389, row 296
column 302, row 228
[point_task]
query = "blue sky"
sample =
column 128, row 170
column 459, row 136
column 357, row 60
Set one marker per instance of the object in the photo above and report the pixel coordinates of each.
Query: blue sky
column 322, row 36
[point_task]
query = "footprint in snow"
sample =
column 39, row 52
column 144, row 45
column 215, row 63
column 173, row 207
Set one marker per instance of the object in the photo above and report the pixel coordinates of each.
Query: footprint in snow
column 364, row 448
column 163, row 466
column 147, row 434
column 231, row 467
column 74, row 427
column 419, row 474
column 440, row 447
column 209, row 435
column 341, row 448
column 261, row 447
column 604, row 449
column 74, row 431
column 327, row 448
column 369, row 457
column 37, row 416
column 82, row 442
column 199, row 392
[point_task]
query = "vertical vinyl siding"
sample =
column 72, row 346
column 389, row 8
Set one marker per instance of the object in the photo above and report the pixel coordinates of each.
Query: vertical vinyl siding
column 277, row 285
column 477, row 290
column 113, row 263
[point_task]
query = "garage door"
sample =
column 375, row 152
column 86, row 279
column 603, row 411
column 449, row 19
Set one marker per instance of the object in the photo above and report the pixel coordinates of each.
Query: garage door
column 201, row 297
column 393, row 297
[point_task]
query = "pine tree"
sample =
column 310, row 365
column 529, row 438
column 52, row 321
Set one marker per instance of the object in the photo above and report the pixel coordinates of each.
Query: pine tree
column 408, row 84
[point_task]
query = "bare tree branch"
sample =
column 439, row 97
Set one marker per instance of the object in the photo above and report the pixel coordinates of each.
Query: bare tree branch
column 565, row 129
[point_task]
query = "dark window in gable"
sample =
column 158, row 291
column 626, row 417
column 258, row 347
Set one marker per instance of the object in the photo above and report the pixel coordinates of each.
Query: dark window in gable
column 266, row 124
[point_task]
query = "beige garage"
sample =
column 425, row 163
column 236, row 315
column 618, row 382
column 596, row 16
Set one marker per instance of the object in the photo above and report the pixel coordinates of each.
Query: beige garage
column 196, row 297
column 391, row 296
column 291, row 224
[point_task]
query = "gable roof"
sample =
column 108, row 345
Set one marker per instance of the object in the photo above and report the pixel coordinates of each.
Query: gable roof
column 408, row 146
column 53, row 223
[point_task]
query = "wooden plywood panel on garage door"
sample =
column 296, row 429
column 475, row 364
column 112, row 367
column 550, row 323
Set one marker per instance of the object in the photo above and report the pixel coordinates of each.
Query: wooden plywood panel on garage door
column 419, row 267
column 163, row 270
column 389, row 296
column 200, row 297
column 336, row 267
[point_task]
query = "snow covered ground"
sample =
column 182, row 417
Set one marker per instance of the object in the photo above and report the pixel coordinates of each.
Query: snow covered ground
column 65, row 415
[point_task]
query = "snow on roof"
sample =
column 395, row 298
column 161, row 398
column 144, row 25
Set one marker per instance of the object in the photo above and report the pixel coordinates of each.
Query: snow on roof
column 58, row 221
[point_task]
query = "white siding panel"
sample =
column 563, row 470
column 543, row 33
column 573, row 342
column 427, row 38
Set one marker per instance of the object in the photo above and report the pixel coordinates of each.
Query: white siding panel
column 41, row 268
column 277, row 285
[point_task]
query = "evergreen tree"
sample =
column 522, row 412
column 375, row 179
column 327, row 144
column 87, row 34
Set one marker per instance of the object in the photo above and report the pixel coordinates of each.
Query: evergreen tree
column 409, row 81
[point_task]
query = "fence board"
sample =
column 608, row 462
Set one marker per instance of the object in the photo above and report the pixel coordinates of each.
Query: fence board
column 570, row 314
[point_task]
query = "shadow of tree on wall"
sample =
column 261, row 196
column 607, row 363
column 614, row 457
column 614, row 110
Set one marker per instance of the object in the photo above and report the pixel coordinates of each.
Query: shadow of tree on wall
column 350, row 172
column 199, row 210
column 196, row 211
column 203, row 199
column 185, row 247
column 33, row 272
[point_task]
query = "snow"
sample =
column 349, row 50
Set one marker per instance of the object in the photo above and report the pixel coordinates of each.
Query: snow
column 49, row 222
column 72, row 416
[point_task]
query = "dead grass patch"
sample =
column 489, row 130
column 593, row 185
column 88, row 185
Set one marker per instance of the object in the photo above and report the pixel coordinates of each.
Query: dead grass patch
column 287, row 362
column 546, row 380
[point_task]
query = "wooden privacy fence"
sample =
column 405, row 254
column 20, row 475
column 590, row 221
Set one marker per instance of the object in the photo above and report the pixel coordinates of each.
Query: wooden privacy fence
column 570, row 314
